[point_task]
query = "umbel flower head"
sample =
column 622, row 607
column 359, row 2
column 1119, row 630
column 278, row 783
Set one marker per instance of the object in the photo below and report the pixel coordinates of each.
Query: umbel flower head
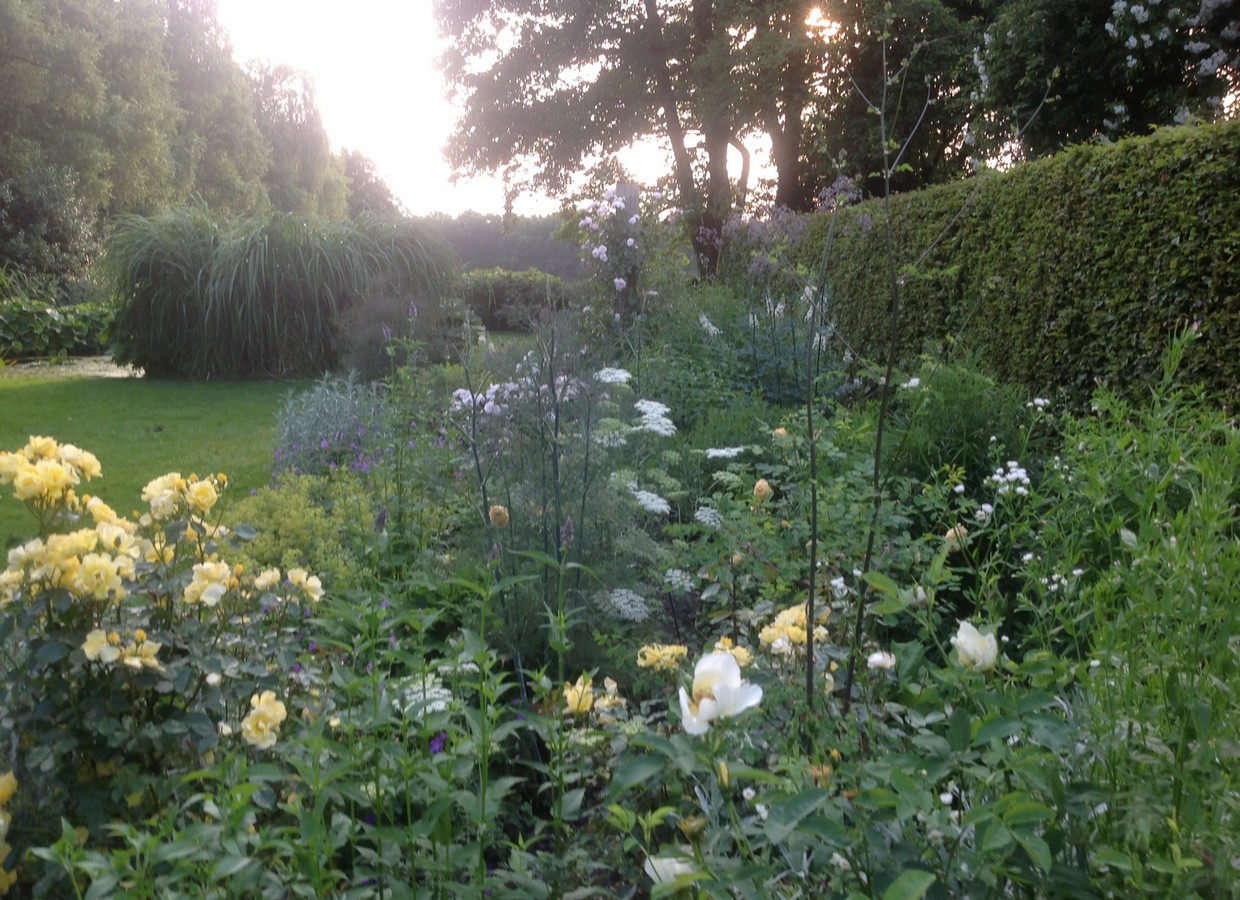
column 977, row 652
column 719, row 692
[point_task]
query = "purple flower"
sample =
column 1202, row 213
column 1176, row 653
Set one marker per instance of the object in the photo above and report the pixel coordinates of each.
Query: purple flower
column 438, row 742
column 323, row 445
column 620, row 284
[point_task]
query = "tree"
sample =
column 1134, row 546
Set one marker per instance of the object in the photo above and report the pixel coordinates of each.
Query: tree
column 304, row 176
column 549, row 84
column 368, row 192
column 1110, row 70
column 221, row 155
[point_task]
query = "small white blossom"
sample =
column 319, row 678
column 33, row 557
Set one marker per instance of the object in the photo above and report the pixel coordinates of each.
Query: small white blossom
column 708, row 516
column 724, row 452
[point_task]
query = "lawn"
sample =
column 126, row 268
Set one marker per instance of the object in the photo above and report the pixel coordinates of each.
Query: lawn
column 140, row 429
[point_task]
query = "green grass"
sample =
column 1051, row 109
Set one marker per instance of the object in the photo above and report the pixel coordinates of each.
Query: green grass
column 141, row 429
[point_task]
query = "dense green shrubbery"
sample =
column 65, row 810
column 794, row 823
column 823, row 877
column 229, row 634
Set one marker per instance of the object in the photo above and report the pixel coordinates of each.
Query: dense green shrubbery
column 31, row 328
column 203, row 298
column 512, row 301
column 1061, row 273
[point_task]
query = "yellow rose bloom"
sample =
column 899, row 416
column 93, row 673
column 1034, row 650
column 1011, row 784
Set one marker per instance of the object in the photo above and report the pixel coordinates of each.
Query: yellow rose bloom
column 210, row 583
column 38, row 447
column 267, row 579
column 261, row 728
column 98, row 648
column 8, row 787
column 85, row 463
column 201, row 496
column 97, row 578
column 762, row 490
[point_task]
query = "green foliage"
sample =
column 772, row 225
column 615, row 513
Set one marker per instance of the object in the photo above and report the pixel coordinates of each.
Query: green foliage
column 1061, row 273
column 312, row 522
column 329, row 425
column 201, row 298
column 512, row 301
column 30, row 328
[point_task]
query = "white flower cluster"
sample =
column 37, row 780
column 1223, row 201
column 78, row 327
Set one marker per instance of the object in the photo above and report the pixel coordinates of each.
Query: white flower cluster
column 1039, row 402
column 708, row 516
column 724, row 452
column 625, row 604
column 654, row 418
column 678, row 580
column 1013, row 480
column 650, row 502
column 984, row 512
column 420, row 695
column 611, row 375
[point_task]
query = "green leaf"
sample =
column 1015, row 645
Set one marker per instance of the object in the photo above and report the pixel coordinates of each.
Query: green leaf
column 883, row 583
column 959, row 729
column 787, row 814
column 997, row 727
column 911, row 885
column 1037, row 849
column 634, row 772
column 50, row 652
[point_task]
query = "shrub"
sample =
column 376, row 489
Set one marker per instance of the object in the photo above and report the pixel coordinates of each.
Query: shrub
column 337, row 423
column 30, row 328
column 512, row 301
column 1061, row 273
column 202, row 298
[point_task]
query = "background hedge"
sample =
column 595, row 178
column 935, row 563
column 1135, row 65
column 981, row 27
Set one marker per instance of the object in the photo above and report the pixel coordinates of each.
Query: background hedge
column 505, row 300
column 1063, row 271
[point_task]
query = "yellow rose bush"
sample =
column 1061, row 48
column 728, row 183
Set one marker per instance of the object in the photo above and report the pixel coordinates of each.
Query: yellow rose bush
column 135, row 641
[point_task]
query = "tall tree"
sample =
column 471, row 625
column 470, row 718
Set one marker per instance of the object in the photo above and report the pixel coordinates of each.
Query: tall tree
column 221, row 155
column 368, row 192
column 550, row 84
column 1103, row 69
column 304, row 175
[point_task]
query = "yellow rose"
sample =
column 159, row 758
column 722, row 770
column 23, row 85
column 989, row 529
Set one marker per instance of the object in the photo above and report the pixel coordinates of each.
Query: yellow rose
column 262, row 726
column 267, row 579
column 762, row 490
column 201, row 496
column 661, row 657
column 8, row 787
column 97, row 578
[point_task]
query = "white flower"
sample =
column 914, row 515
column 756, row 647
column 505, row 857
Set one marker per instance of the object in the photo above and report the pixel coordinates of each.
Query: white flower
column 678, row 580
column 650, row 502
column 708, row 516
column 625, row 604
column 880, row 659
column 620, row 284
column 977, row 652
column 610, row 375
column 912, row 384
column 666, row 869
column 718, row 692
column 724, row 452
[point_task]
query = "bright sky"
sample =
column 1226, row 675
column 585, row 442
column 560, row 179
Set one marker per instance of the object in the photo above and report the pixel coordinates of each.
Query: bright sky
column 376, row 85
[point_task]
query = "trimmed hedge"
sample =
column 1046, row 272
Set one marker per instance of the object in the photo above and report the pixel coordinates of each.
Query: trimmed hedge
column 1064, row 271
column 511, row 301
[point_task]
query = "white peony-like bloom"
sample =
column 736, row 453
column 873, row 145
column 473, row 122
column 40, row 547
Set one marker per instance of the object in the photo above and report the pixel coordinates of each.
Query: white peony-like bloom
column 666, row 869
column 978, row 652
column 719, row 692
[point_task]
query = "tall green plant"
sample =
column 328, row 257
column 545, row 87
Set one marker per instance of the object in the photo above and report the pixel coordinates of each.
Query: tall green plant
column 204, row 298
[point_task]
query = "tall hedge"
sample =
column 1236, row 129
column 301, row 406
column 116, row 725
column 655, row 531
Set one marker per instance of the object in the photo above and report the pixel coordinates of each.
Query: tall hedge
column 1062, row 271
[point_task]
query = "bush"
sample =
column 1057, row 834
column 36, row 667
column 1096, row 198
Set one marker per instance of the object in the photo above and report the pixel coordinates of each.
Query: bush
column 202, row 298
column 512, row 301
column 1062, row 272
column 30, row 328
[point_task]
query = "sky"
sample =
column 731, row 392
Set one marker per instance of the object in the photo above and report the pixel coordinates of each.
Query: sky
column 373, row 67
